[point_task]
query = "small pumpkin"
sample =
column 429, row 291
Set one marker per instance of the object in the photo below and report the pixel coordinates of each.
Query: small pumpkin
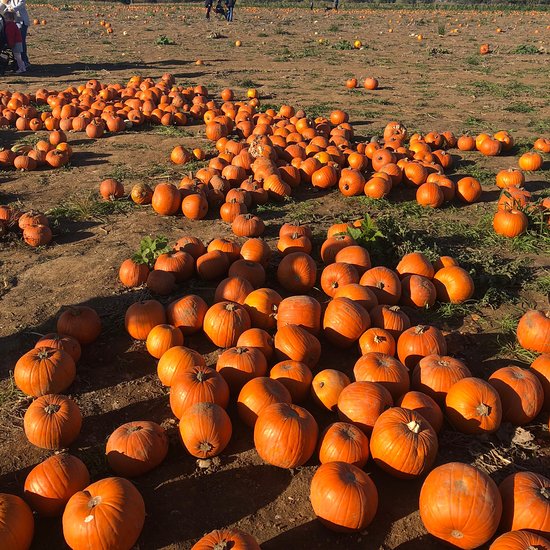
column 533, row 331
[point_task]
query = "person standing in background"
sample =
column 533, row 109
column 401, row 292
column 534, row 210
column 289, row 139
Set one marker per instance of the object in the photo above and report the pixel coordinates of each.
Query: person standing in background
column 208, row 5
column 22, row 20
column 14, row 40
column 230, row 6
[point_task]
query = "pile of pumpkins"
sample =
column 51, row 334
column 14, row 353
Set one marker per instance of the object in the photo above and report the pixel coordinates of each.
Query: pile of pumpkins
column 34, row 225
column 510, row 219
column 404, row 385
column 54, row 152
column 96, row 108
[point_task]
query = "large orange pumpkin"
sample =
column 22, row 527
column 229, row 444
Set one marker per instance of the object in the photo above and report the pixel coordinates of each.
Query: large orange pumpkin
column 285, row 435
column 175, row 361
column 520, row 392
column 16, row 523
column 51, row 484
column 403, row 443
column 80, row 322
column 385, row 370
column 435, row 375
column 534, row 331
column 44, row 370
column 520, row 540
column 526, row 502
column 135, row 448
column 205, row 429
column 474, row 406
column 460, row 505
column 233, row 539
column 197, row 384
column 224, row 322
column 52, row 422
column 257, row 394
column 238, row 365
column 109, row 514
column 361, row 403
column 344, row 442
column 343, row 497
column 326, row 387
column 418, row 342
column 142, row 317
column 344, row 322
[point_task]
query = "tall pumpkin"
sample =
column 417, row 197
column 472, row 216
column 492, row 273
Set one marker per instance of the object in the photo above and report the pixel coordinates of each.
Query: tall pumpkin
column 108, row 514
column 460, row 505
column 343, row 497
column 285, row 435
column 344, row 442
column 205, row 429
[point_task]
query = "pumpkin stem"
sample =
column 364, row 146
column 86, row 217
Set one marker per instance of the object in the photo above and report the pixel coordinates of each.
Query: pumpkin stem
column 200, row 376
column 44, row 353
column 241, row 350
column 377, row 339
column 52, row 408
column 380, row 285
column 483, row 410
column 205, row 446
column 414, row 426
column 395, row 308
column 421, row 329
column 133, row 429
column 231, row 306
column 456, row 534
column 545, row 492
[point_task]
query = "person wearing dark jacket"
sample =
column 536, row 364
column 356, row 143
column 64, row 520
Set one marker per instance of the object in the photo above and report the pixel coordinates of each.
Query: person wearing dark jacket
column 208, row 5
column 230, row 6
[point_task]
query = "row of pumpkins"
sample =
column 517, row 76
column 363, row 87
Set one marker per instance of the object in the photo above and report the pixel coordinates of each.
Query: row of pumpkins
column 378, row 415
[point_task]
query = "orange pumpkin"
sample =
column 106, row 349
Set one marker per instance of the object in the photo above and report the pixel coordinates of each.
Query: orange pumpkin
column 449, row 495
column 285, row 435
column 473, row 406
column 403, row 443
column 343, row 497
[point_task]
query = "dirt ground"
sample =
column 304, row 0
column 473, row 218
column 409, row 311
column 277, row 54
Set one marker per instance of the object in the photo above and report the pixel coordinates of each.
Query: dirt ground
column 301, row 58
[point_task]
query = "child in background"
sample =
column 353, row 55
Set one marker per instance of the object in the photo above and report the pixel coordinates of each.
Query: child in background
column 208, row 5
column 14, row 40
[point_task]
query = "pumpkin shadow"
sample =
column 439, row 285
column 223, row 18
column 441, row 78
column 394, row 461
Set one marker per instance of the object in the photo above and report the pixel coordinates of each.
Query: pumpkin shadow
column 194, row 505
column 87, row 158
